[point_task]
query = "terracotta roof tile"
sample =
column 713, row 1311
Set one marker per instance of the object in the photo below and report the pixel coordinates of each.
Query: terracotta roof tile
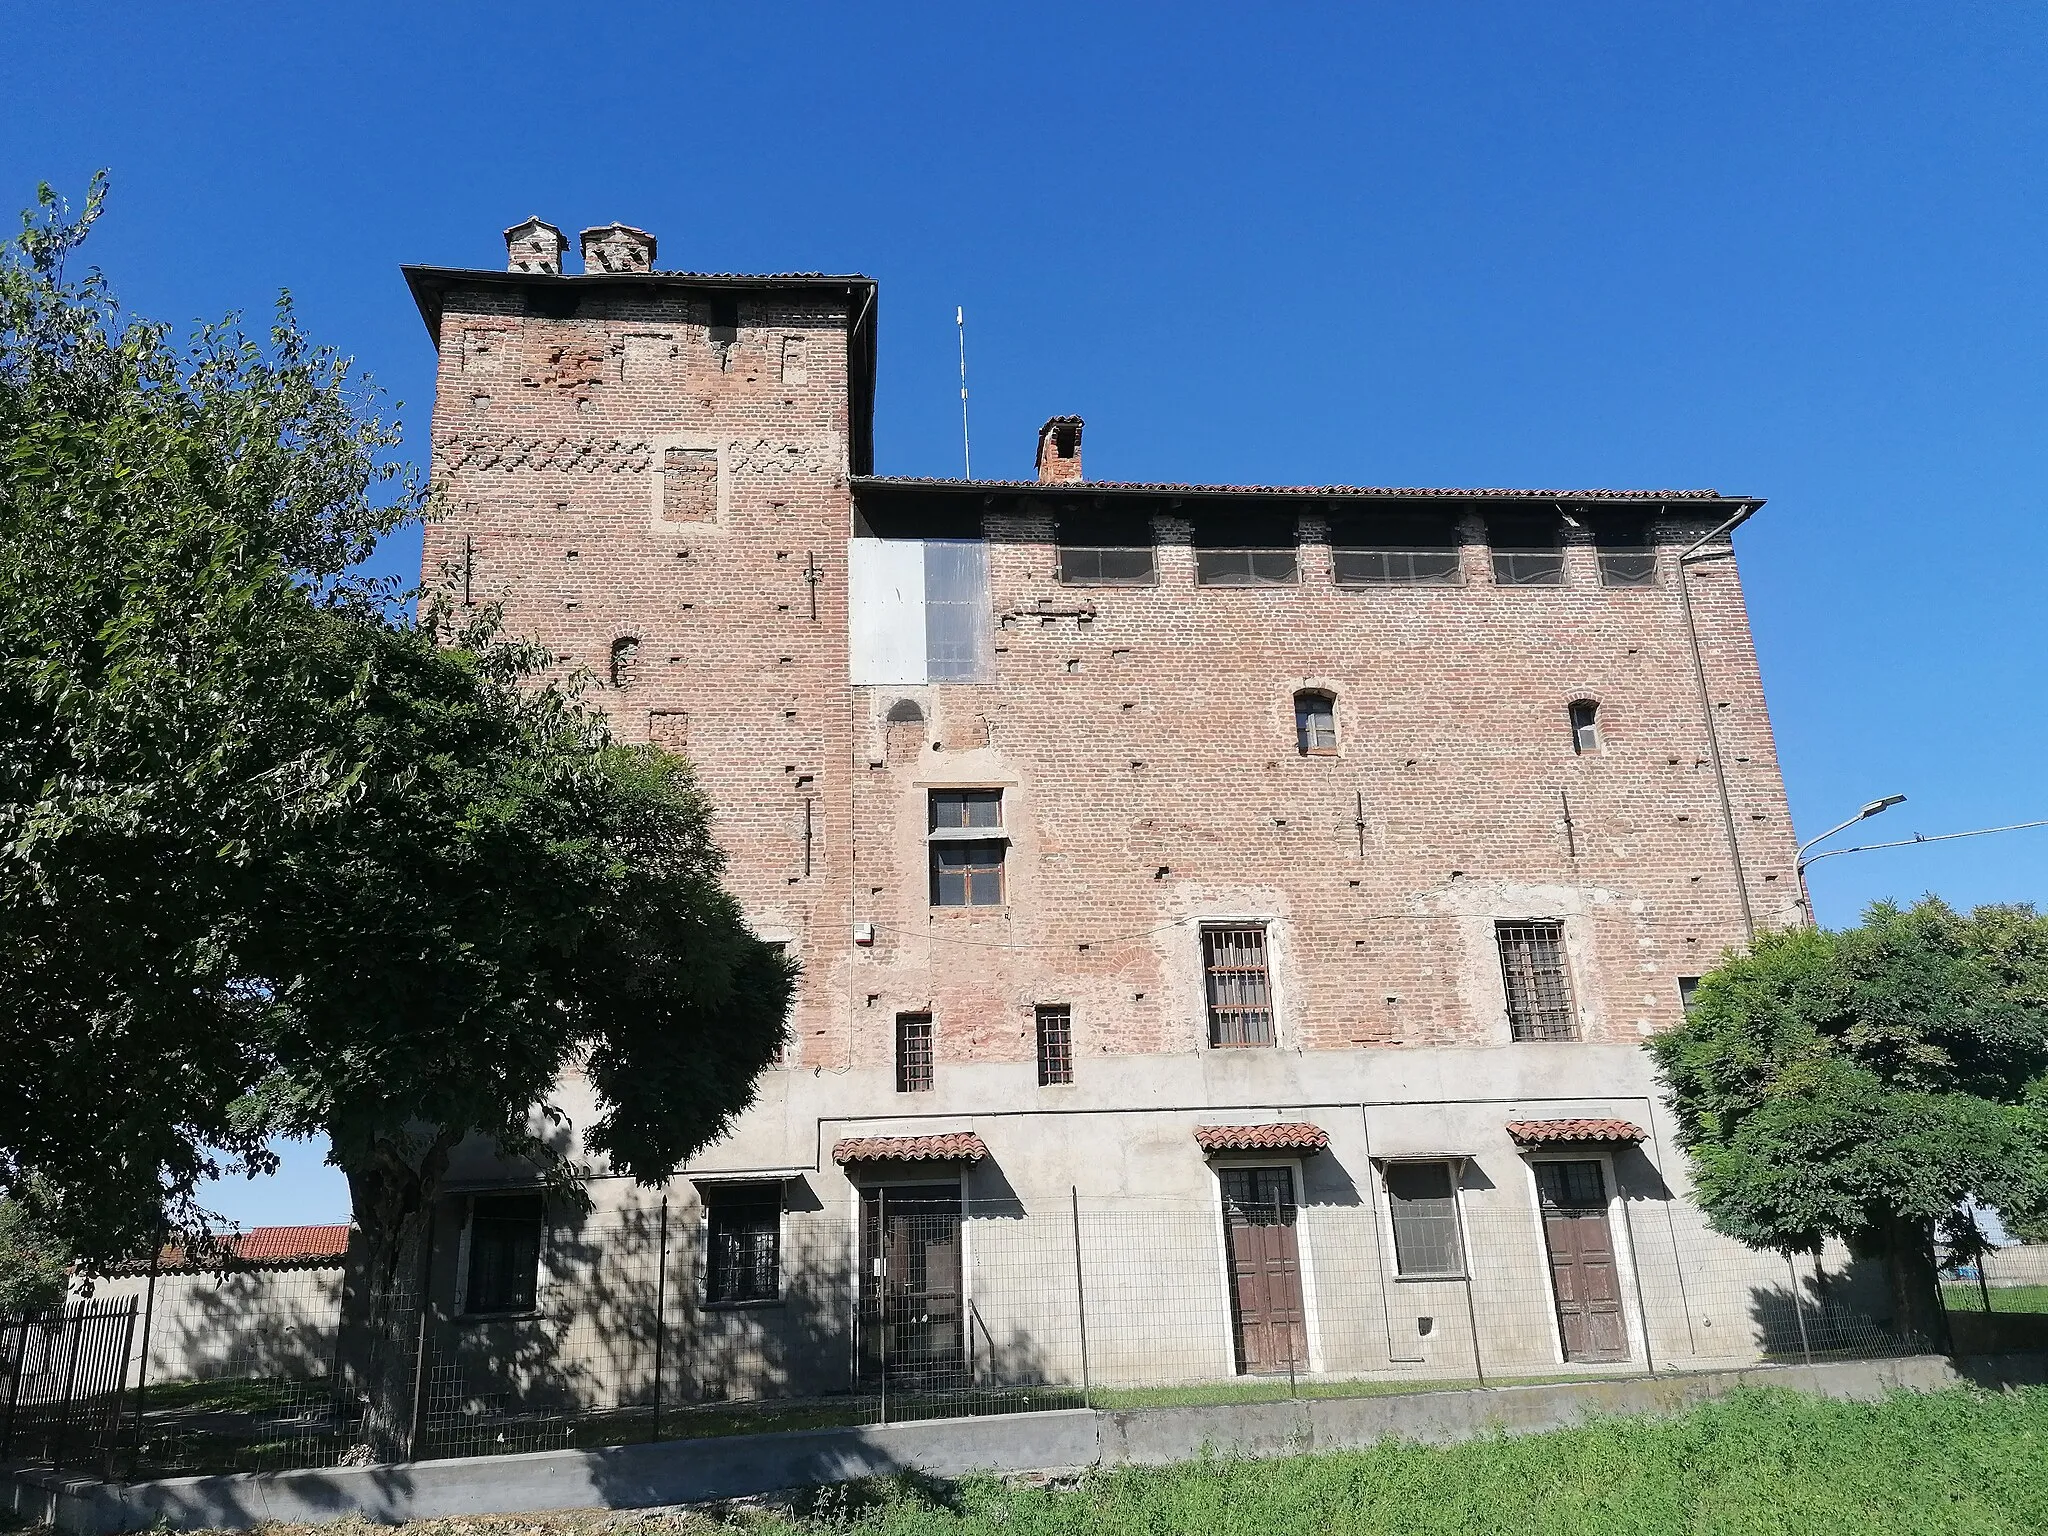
column 1284, row 1136
column 1432, row 493
column 1537, row 1133
column 954, row 1147
column 261, row 1245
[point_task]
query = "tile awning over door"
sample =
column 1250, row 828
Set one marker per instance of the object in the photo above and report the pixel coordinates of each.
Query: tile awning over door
column 1282, row 1136
column 1541, row 1133
column 952, row 1147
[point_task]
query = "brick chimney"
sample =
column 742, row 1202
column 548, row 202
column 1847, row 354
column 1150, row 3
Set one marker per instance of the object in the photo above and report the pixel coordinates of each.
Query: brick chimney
column 535, row 246
column 617, row 248
column 1059, row 450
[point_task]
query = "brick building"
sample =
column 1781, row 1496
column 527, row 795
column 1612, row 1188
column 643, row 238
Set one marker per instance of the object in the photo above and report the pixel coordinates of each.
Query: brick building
column 1293, row 854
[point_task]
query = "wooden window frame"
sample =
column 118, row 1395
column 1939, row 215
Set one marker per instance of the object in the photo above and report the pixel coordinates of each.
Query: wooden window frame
column 1536, row 1011
column 1252, row 981
column 1307, row 734
column 972, row 848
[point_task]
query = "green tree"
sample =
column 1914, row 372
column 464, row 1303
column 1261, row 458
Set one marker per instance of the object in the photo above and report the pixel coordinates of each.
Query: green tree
column 35, row 1263
column 279, row 856
column 1859, row 1084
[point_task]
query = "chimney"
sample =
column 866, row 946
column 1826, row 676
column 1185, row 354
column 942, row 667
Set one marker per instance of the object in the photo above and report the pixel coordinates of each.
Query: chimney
column 1059, row 450
column 535, row 246
column 617, row 248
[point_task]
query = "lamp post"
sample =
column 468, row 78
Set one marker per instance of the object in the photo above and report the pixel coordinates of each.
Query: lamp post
column 1876, row 807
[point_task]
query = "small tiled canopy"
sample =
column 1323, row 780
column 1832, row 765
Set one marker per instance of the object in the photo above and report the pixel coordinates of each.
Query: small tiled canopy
column 1543, row 1133
column 1286, row 1136
column 955, row 1147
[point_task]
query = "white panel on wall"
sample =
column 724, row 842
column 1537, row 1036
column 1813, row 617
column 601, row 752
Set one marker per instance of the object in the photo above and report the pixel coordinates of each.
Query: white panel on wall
column 885, row 611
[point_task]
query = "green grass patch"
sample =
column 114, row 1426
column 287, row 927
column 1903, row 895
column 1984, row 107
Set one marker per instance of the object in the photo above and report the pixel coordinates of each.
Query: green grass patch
column 1966, row 1296
column 1961, row 1463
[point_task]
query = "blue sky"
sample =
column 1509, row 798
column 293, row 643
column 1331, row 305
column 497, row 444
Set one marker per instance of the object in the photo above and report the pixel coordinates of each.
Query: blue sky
column 1790, row 251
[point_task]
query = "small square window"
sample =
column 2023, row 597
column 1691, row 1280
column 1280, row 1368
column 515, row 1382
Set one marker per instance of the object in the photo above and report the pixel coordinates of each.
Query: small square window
column 1627, row 556
column 1423, row 1203
column 743, row 1239
column 504, row 1253
column 1055, row 1044
column 967, row 874
column 913, row 1053
column 1527, row 551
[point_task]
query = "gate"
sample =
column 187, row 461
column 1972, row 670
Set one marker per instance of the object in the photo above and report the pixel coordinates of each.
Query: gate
column 62, row 1381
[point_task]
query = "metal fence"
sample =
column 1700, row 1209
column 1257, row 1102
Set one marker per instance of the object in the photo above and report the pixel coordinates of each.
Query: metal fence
column 928, row 1306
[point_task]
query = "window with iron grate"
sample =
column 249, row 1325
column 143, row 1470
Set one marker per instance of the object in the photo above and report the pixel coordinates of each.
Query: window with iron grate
column 1055, row 1044
column 1240, row 992
column 505, row 1234
column 913, row 1053
column 1539, row 992
column 1423, row 1202
column 743, row 1236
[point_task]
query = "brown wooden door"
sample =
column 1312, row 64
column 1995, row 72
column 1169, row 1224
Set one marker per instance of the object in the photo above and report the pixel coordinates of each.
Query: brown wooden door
column 1265, row 1270
column 912, row 1301
column 1584, row 1275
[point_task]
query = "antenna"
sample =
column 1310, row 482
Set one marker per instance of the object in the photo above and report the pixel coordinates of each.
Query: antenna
column 966, row 452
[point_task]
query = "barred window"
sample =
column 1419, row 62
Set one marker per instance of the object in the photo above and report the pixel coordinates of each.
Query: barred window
column 1240, row 992
column 1538, row 989
column 504, row 1253
column 1423, row 1203
column 1055, row 1044
column 743, row 1233
column 1315, row 724
column 913, row 1053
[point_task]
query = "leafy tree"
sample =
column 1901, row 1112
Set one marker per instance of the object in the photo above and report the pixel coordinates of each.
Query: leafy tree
column 1859, row 1084
column 277, row 856
column 35, row 1263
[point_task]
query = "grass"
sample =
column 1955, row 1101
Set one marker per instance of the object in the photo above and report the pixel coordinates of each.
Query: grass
column 1965, row 1296
column 1961, row 1463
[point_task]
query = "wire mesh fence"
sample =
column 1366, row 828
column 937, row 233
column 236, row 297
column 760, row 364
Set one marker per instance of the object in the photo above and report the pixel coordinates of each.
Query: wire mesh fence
column 742, row 1316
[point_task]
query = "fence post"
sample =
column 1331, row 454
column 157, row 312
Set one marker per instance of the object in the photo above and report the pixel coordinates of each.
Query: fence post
column 14, row 1394
column 1081, row 1301
column 74, row 1327
column 660, row 1309
column 419, row 1357
column 156, row 1256
column 1465, row 1257
column 1798, row 1308
column 1635, row 1268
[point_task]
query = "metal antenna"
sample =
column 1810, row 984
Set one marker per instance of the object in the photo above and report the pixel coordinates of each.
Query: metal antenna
column 966, row 452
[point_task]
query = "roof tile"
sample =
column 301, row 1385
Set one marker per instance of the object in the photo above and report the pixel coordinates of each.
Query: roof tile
column 1537, row 1133
column 953, row 1147
column 1282, row 1136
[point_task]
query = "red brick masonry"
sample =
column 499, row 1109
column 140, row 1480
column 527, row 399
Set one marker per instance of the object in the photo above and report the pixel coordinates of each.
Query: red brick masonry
column 958, row 1147
column 1288, row 1136
column 1536, row 1133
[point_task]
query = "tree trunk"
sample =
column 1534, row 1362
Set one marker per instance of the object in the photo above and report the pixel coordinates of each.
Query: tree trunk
column 385, row 1299
column 1917, row 1312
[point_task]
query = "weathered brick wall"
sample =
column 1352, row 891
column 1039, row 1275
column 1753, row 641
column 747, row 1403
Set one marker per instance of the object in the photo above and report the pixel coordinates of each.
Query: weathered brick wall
column 619, row 474
column 570, row 452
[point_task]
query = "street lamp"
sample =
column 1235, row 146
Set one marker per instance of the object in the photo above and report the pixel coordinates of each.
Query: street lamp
column 1876, row 807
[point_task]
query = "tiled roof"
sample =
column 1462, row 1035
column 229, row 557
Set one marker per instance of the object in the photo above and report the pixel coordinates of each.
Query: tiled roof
column 1537, row 1133
column 1447, row 493
column 954, row 1147
column 260, row 1245
column 304, row 1247
column 1285, row 1136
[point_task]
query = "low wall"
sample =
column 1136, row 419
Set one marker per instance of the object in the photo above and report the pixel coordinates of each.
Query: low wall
column 686, row 1471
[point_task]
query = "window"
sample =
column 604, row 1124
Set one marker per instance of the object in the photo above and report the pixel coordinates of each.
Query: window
column 1422, row 1201
column 1627, row 556
column 1394, row 551
column 1245, row 551
column 1107, row 552
column 1585, row 717
column 966, row 862
column 625, row 661
column 913, row 1053
column 1315, row 725
column 1687, row 987
column 1055, row 1044
column 1527, row 551
column 743, row 1239
column 504, row 1253
column 1239, row 990
column 1538, row 990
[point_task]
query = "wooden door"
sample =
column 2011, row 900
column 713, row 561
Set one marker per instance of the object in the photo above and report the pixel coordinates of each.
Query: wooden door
column 1584, row 1276
column 1267, row 1318
column 912, row 1299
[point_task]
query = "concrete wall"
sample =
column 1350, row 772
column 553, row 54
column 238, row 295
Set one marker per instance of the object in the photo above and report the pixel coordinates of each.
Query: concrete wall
column 276, row 1323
